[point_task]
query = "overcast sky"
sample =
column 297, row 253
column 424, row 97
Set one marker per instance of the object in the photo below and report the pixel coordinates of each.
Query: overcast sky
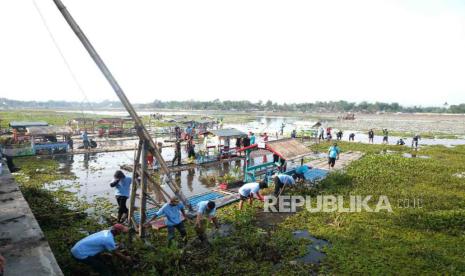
column 412, row 52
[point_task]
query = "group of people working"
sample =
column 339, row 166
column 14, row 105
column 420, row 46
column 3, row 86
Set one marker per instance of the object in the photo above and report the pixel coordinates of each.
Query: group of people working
column 371, row 136
column 92, row 249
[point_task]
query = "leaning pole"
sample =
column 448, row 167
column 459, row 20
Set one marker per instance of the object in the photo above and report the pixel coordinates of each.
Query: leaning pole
column 141, row 130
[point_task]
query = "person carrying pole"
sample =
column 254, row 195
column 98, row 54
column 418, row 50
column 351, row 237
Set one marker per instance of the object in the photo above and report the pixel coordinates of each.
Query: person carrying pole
column 91, row 249
column 173, row 219
column 249, row 190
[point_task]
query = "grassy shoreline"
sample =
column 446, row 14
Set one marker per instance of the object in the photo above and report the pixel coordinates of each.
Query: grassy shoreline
column 427, row 240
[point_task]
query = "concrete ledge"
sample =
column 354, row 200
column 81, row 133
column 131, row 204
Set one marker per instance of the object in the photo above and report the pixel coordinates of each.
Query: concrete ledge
column 22, row 242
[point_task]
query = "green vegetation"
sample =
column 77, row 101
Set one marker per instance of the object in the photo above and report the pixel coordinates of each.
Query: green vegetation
column 425, row 239
column 248, row 249
column 51, row 117
column 61, row 215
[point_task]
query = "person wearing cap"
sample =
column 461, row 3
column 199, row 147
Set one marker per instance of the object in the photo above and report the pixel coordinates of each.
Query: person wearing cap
column 121, row 184
column 89, row 250
column 333, row 154
column 280, row 180
column 173, row 219
column 249, row 190
column 205, row 209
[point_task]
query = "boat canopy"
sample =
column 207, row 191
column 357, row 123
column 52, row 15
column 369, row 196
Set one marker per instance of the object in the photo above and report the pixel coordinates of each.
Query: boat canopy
column 25, row 124
column 228, row 133
column 48, row 131
column 288, row 149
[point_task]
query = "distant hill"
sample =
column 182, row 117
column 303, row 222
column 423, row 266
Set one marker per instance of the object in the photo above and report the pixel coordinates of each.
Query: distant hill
column 339, row 106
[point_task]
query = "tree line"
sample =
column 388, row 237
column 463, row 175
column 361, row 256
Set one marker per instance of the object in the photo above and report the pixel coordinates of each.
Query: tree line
column 330, row 106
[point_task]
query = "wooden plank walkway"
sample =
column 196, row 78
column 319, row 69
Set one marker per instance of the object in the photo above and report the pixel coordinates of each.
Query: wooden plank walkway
column 345, row 159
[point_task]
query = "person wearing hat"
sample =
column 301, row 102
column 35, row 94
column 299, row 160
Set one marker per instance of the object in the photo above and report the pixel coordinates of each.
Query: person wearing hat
column 280, row 180
column 249, row 190
column 173, row 219
column 205, row 209
column 333, row 154
column 121, row 184
column 89, row 250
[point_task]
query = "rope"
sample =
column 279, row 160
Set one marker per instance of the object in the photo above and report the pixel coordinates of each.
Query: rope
column 62, row 55
column 68, row 67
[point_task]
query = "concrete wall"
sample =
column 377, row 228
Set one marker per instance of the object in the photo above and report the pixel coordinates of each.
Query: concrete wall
column 22, row 242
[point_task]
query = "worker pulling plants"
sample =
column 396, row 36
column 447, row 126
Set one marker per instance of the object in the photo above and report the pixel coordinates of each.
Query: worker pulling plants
column 91, row 249
column 249, row 190
column 205, row 210
column 280, row 181
column 173, row 219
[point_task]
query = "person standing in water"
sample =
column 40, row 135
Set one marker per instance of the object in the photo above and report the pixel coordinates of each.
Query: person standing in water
column 415, row 140
column 177, row 153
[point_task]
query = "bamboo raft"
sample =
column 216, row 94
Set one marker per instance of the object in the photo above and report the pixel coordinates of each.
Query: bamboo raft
column 221, row 199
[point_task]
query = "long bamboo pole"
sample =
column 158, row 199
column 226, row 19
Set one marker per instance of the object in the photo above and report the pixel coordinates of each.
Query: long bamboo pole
column 141, row 130
column 132, row 199
column 143, row 190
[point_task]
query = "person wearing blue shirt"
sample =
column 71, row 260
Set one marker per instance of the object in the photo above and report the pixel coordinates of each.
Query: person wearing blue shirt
column 121, row 184
column 247, row 191
column 333, row 154
column 205, row 209
column 173, row 219
column 280, row 180
column 89, row 249
column 252, row 138
column 301, row 171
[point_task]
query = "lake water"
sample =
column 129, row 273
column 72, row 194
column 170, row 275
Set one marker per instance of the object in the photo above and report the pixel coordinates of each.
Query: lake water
column 95, row 171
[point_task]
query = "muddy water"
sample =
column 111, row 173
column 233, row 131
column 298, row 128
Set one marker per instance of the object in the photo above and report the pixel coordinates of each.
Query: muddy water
column 94, row 172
